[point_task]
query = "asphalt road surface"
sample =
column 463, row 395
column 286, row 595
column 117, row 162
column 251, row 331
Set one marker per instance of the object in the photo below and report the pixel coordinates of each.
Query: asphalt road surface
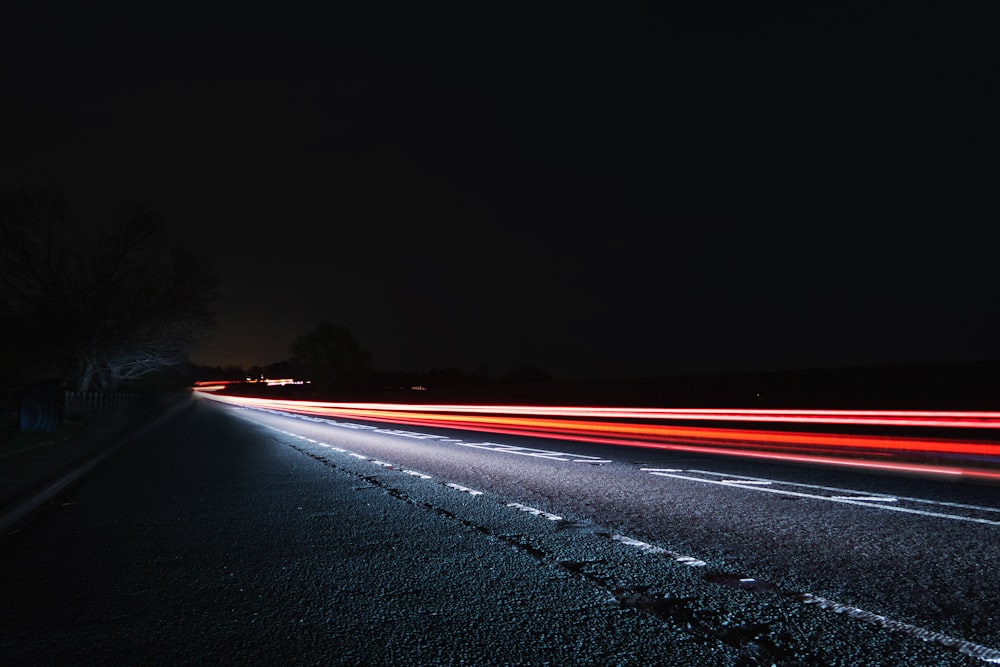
column 237, row 536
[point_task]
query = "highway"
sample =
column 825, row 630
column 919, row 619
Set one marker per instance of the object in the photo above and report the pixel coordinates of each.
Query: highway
column 253, row 535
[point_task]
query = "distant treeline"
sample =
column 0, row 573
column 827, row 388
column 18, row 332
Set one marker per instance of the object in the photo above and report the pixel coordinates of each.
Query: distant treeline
column 959, row 386
column 955, row 386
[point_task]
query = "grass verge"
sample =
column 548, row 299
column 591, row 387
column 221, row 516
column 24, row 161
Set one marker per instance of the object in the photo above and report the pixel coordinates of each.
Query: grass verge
column 14, row 442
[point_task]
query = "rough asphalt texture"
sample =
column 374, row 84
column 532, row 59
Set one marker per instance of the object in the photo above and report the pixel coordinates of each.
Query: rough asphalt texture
column 249, row 552
column 205, row 539
column 32, row 479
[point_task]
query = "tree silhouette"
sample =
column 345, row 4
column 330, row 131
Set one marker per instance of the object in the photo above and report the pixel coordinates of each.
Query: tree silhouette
column 37, row 262
column 331, row 357
column 100, row 309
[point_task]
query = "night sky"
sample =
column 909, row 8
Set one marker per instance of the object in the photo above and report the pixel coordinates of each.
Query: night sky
column 595, row 189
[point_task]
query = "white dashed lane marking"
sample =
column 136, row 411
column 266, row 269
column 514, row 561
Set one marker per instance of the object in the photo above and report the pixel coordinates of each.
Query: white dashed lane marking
column 463, row 489
column 536, row 512
column 432, row 437
column 658, row 551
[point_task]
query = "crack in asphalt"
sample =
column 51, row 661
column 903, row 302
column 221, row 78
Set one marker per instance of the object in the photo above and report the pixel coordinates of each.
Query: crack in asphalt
column 762, row 644
column 765, row 647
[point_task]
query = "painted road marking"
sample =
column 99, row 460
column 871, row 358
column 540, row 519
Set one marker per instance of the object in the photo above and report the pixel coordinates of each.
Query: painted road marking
column 658, row 551
column 536, row 512
column 417, row 474
column 835, row 489
column 514, row 449
column 831, row 499
column 984, row 653
column 463, row 489
column 431, row 437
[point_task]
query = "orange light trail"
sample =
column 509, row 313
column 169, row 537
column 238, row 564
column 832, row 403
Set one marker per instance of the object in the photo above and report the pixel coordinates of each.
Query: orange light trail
column 652, row 428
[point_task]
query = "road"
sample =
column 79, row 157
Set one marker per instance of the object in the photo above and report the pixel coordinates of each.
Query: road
column 240, row 536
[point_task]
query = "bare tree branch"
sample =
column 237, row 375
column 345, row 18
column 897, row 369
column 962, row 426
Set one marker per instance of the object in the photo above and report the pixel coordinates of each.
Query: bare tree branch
column 113, row 310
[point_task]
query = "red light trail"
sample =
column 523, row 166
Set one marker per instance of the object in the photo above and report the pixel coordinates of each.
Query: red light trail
column 658, row 428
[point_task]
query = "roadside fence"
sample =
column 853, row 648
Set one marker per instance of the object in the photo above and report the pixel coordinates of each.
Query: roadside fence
column 90, row 402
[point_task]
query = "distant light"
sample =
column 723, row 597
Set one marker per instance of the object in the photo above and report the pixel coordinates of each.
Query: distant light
column 274, row 382
column 282, row 382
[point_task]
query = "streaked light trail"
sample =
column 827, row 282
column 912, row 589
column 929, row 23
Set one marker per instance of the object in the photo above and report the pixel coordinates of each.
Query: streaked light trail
column 977, row 457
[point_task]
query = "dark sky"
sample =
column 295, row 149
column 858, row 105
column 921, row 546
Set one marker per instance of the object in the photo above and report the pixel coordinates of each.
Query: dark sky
column 596, row 189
